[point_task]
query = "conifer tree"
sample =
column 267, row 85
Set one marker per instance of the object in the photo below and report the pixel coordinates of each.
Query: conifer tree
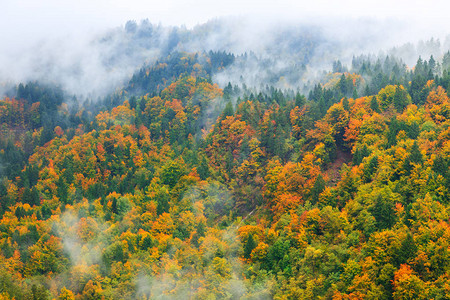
column 250, row 244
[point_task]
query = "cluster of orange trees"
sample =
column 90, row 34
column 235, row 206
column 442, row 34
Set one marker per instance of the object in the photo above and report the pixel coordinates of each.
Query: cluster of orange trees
column 189, row 193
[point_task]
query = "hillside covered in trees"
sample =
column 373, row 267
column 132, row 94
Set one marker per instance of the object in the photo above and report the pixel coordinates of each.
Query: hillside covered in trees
column 174, row 187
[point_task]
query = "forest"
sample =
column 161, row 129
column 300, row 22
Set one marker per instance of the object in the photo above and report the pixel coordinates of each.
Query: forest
column 176, row 187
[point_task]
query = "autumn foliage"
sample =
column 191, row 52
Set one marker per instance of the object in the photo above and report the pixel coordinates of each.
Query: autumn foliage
column 186, row 191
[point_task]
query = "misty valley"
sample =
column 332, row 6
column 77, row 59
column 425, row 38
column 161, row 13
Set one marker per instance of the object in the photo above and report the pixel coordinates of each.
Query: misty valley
column 225, row 162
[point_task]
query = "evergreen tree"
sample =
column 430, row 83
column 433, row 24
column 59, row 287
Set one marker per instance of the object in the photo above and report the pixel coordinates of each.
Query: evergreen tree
column 114, row 206
column 203, row 168
column 413, row 130
column 360, row 153
column 147, row 242
column 300, row 100
column 370, row 168
column 415, row 155
column 250, row 244
column 401, row 99
column 319, row 186
column 374, row 104
column 393, row 129
column 446, row 61
column 62, row 191
column 432, row 65
column 408, row 249
column 384, row 212
column 46, row 211
column 345, row 104
column 228, row 111
column 35, row 199
column 162, row 201
column 440, row 165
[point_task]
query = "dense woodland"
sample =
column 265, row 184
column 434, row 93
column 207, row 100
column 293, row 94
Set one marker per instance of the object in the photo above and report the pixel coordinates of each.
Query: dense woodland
column 174, row 188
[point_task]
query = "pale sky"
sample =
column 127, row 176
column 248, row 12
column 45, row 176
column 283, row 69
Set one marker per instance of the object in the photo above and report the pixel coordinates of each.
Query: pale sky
column 21, row 20
column 51, row 38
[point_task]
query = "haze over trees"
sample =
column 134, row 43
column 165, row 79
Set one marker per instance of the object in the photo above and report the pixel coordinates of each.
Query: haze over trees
column 178, row 186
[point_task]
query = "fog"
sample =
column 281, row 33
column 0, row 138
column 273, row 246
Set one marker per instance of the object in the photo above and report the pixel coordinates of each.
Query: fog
column 91, row 49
